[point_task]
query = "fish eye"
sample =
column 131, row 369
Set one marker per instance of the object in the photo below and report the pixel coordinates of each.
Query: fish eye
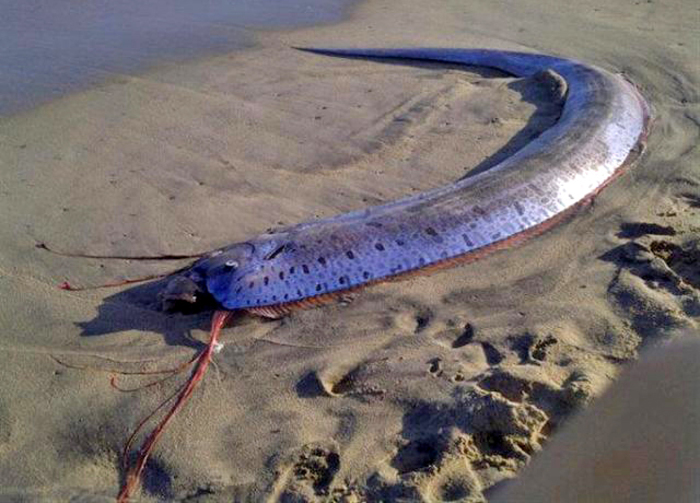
column 231, row 264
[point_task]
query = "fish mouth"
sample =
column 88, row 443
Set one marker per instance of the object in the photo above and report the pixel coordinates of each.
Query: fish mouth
column 186, row 294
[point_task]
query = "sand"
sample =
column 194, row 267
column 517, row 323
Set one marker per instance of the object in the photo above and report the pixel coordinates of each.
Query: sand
column 440, row 388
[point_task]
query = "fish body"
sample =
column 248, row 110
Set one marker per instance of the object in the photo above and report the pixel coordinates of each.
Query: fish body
column 603, row 124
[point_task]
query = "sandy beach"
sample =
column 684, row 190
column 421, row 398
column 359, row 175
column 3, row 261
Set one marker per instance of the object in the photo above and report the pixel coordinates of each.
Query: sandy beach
column 438, row 388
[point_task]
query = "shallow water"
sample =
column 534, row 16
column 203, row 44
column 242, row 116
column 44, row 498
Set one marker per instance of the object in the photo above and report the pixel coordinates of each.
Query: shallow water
column 49, row 48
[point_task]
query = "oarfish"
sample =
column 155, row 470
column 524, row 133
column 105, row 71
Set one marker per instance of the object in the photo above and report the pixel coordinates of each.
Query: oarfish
column 602, row 128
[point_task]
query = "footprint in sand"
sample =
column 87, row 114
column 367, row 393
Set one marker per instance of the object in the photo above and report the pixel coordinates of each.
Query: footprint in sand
column 658, row 282
column 358, row 381
column 415, row 455
column 309, row 476
column 455, row 482
column 456, row 334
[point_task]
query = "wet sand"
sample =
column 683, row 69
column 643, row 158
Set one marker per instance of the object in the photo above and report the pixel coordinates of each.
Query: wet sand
column 437, row 388
column 50, row 49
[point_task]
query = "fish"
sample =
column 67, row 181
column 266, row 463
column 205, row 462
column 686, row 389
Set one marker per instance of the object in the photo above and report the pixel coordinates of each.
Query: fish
column 601, row 131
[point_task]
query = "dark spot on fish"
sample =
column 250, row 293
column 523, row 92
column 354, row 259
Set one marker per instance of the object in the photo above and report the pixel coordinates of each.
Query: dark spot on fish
column 299, row 292
column 281, row 275
column 536, row 189
column 350, row 254
column 286, row 296
column 430, row 231
column 251, row 284
column 366, row 275
column 496, row 235
column 467, row 240
column 266, row 280
column 374, row 224
column 479, row 210
column 291, row 270
column 379, row 246
column 305, row 268
column 421, row 261
column 519, row 208
column 400, row 242
column 341, row 280
column 318, row 287
column 238, row 290
column 321, row 260
column 274, row 297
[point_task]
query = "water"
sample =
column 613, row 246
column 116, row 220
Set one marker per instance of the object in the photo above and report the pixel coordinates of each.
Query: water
column 51, row 47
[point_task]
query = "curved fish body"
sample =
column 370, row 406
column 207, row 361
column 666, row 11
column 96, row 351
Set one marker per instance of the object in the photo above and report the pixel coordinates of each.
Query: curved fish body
column 602, row 126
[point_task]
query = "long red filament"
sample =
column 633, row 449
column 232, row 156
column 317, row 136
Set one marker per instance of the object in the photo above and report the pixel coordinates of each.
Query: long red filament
column 173, row 370
column 133, row 474
column 129, row 281
column 165, row 256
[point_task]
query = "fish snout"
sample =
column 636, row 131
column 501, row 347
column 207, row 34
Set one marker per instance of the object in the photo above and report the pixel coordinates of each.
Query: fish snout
column 183, row 294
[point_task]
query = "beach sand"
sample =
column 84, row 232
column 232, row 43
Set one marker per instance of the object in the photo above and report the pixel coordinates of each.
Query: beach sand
column 438, row 388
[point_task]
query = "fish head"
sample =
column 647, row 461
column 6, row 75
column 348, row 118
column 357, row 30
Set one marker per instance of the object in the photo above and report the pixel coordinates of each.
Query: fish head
column 206, row 282
column 224, row 278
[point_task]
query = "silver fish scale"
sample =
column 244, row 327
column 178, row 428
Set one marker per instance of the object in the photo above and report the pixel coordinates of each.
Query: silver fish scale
column 603, row 120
